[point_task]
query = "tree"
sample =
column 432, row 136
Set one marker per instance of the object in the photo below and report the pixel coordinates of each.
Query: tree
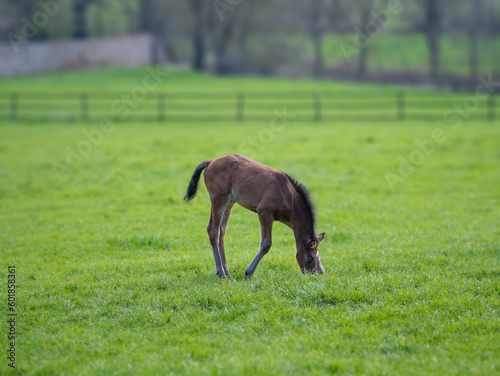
column 199, row 9
column 224, row 33
column 316, row 30
column 365, row 12
column 80, row 12
column 148, row 9
column 11, row 15
column 146, row 16
column 433, row 29
column 246, row 25
column 223, row 22
column 474, row 29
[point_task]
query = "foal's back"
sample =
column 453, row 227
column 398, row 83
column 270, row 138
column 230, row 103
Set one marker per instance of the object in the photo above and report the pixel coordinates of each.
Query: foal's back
column 251, row 184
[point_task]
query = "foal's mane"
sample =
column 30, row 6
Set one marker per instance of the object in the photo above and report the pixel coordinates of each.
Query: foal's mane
column 306, row 198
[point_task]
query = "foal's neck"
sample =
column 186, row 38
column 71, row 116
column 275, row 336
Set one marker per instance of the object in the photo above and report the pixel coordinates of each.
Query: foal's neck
column 302, row 223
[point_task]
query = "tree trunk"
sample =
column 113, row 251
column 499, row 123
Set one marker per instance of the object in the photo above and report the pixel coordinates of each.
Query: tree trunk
column 433, row 17
column 474, row 28
column 362, row 68
column 147, row 26
column 245, row 28
column 221, row 43
column 80, row 19
column 317, row 37
column 319, row 65
column 146, row 11
column 198, row 40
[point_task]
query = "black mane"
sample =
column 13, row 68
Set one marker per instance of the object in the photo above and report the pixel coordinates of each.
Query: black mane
column 306, row 197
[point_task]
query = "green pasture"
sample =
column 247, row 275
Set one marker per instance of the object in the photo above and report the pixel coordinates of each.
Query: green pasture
column 115, row 275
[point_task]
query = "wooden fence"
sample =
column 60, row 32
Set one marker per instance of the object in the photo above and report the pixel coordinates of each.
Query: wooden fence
column 182, row 106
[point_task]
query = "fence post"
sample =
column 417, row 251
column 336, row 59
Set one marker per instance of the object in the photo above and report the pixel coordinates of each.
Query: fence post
column 14, row 106
column 491, row 107
column 240, row 107
column 84, row 107
column 317, row 106
column 401, row 105
column 161, row 107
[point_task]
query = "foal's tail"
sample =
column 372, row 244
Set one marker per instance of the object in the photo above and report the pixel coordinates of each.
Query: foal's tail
column 193, row 184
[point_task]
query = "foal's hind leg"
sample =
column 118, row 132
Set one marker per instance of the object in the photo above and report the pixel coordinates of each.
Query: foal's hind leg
column 223, row 226
column 219, row 205
column 215, row 248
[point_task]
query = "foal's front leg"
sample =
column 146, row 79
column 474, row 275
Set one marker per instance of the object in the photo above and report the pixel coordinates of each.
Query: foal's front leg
column 266, row 230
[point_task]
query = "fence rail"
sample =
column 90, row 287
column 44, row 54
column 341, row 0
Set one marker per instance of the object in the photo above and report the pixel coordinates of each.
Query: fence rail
column 366, row 105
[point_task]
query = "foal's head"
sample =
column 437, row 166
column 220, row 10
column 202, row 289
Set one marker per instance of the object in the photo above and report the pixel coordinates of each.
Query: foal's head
column 307, row 255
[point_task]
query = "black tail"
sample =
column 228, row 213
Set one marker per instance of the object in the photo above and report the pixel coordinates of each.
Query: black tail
column 193, row 184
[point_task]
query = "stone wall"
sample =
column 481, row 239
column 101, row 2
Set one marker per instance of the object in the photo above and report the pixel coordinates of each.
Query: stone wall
column 38, row 57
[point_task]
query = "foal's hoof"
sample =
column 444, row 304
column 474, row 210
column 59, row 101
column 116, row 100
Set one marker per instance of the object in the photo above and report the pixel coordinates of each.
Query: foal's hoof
column 225, row 276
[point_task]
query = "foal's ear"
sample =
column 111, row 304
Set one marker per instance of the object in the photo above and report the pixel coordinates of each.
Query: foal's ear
column 311, row 244
column 321, row 237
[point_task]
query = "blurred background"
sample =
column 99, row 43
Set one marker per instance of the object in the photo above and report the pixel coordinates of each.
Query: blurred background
column 385, row 110
column 421, row 42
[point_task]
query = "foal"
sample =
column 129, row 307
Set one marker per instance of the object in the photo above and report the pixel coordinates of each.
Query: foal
column 270, row 193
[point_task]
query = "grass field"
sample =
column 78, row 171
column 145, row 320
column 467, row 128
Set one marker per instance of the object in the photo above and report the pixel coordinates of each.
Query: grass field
column 115, row 275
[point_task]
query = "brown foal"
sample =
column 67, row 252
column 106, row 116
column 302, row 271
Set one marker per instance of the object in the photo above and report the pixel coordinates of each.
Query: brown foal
column 270, row 193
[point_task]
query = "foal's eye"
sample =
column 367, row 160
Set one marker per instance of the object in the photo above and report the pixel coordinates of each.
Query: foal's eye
column 310, row 259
